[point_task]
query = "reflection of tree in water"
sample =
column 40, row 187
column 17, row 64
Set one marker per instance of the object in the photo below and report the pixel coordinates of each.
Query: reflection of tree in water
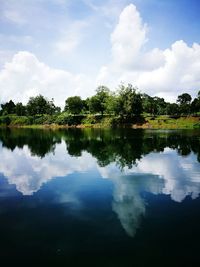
column 40, row 142
column 123, row 146
column 126, row 146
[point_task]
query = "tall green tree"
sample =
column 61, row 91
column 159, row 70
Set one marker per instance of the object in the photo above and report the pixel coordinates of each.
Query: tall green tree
column 20, row 109
column 74, row 104
column 184, row 101
column 8, row 108
column 172, row 109
column 98, row 102
column 40, row 105
column 195, row 105
column 129, row 101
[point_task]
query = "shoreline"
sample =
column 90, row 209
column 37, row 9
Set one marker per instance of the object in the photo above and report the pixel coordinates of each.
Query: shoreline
column 148, row 122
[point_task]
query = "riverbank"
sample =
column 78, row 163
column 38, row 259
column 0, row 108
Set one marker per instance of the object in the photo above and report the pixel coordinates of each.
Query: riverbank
column 98, row 121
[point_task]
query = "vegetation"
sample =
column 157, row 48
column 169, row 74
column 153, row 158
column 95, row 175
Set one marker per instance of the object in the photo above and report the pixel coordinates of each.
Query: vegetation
column 125, row 106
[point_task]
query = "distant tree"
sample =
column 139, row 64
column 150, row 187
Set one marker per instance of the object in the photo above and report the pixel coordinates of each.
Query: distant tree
column 85, row 108
column 112, row 104
column 51, row 108
column 98, row 102
column 160, row 104
column 74, row 104
column 195, row 105
column 129, row 102
column 149, row 104
column 184, row 101
column 20, row 109
column 40, row 105
column 8, row 108
column 172, row 109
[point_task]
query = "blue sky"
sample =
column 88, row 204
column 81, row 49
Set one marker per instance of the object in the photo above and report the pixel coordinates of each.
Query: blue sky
column 64, row 47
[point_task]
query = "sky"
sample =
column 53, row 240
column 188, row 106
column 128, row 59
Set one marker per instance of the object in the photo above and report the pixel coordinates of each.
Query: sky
column 61, row 48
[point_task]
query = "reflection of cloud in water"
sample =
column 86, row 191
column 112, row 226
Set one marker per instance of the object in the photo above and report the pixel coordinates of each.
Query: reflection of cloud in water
column 165, row 173
column 181, row 174
column 127, row 202
column 157, row 173
column 29, row 172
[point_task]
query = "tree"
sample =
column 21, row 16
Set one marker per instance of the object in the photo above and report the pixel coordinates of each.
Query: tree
column 40, row 105
column 112, row 104
column 130, row 102
column 74, row 105
column 8, row 108
column 149, row 105
column 98, row 102
column 172, row 109
column 20, row 109
column 184, row 99
column 195, row 105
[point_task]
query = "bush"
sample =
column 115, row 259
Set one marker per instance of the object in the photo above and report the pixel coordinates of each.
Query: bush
column 22, row 120
column 5, row 120
column 67, row 119
column 90, row 119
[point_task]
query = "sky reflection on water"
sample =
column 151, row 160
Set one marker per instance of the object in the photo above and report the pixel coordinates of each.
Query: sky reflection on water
column 157, row 172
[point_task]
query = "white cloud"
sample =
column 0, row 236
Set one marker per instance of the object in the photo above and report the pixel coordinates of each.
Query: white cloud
column 26, row 76
column 165, row 73
column 158, row 72
column 128, row 37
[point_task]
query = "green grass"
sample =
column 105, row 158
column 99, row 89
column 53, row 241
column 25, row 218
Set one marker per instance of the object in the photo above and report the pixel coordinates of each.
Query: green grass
column 166, row 122
column 97, row 121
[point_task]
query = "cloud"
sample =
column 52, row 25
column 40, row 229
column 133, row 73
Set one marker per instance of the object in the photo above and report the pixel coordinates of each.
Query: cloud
column 165, row 73
column 26, row 76
column 158, row 72
column 128, row 37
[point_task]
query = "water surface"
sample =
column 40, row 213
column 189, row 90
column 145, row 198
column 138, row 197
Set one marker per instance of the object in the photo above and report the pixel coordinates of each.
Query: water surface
column 91, row 197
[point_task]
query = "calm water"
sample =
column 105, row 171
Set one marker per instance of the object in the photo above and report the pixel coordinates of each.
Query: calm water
column 99, row 197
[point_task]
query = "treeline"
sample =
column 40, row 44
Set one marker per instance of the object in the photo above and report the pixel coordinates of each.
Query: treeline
column 126, row 102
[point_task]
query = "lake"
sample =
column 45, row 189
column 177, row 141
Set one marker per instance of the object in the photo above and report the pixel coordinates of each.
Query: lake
column 94, row 197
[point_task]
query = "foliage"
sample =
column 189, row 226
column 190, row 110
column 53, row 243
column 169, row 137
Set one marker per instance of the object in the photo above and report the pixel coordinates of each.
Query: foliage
column 20, row 109
column 129, row 102
column 74, row 105
column 184, row 99
column 98, row 102
column 40, row 105
column 125, row 105
column 65, row 118
column 8, row 108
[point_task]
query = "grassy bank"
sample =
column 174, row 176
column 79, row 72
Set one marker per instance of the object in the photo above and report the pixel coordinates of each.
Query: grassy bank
column 65, row 120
